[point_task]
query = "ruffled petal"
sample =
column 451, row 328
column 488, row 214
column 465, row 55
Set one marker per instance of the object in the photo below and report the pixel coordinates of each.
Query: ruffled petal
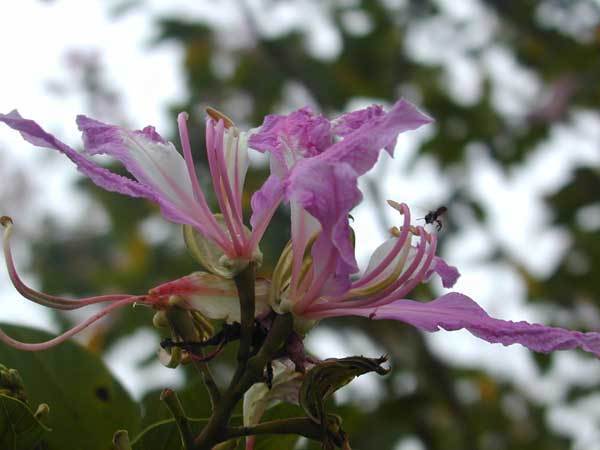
column 34, row 134
column 148, row 157
column 155, row 163
column 349, row 122
column 456, row 311
column 302, row 132
column 447, row 273
column 360, row 148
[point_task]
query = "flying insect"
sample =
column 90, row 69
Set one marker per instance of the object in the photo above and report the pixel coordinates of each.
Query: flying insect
column 434, row 217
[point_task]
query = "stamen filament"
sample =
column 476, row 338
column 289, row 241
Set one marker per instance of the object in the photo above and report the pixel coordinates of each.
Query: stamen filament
column 214, row 138
column 403, row 209
column 317, row 285
column 34, row 347
column 41, row 298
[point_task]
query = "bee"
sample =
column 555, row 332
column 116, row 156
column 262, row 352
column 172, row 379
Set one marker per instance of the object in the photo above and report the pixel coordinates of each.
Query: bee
column 434, row 217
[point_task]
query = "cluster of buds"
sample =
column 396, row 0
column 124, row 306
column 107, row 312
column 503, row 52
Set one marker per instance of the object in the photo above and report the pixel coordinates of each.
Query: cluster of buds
column 315, row 165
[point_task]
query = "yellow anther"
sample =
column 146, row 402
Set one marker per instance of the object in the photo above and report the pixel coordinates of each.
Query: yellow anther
column 218, row 115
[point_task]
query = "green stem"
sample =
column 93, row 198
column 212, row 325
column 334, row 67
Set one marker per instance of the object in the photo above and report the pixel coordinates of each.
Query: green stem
column 245, row 284
column 169, row 397
column 211, row 386
column 216, row 429
column 302, row 426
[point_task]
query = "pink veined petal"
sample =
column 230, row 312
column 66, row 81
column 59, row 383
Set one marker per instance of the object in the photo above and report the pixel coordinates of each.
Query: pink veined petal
column 447, row 273
column 455, row 311
column 361, row 147
column 104, row 178
column 301, row 131
column 155, row 163
column 349, row 122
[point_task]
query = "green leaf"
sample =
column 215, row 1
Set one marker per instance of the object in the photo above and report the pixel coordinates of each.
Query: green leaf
column 19, row 429
column 329, row 376
column 88, row 403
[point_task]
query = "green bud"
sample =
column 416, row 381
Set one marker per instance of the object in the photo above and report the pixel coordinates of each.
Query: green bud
column 11, row 383
column 159, row 320
column 121, row 440
column 42, row 411
column 212, row 257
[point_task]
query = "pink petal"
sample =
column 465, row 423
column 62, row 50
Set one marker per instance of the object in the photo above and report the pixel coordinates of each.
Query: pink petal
column 328, row 193
column 361, row 148
column 448, row 274
column 301, row 131
column 349, row 122
column 156, row 164
column 265, row 198
column 104, row 178
column 456, row 311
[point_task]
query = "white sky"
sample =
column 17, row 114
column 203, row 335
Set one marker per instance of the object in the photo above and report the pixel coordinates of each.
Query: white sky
column 36, row 36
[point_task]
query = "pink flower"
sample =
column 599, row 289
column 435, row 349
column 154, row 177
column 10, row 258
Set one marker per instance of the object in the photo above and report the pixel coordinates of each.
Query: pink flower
column 163, row 176
column 395, row 269
column 315, row 164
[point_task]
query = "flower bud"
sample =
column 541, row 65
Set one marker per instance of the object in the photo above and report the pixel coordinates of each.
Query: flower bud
column 11, row 384
column 212, row 296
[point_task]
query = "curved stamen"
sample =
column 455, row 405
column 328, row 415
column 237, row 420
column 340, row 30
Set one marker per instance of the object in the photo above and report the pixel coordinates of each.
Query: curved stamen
column 375, row 299
column 234, row 201
column 189, row 162
column 41, row 298
column 214, row 142
column 300, row 239
column 418, row 278
column 317, row 285
column 402, row 209
column 417, row 264
column 30, row 347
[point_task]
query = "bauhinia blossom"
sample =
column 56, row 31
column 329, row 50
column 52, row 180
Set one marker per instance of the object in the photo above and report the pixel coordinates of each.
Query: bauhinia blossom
column 169, row 179
column 212, row 296
column 316, row 164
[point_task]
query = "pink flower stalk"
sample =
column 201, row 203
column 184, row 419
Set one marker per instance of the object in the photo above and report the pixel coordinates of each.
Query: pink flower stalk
column 315, row 164
column 163, row 176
